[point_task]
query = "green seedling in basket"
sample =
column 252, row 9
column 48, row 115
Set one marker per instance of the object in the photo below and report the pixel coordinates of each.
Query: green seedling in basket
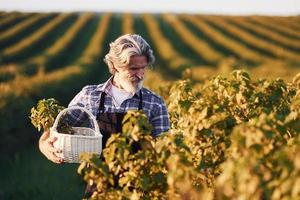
column 43, row 116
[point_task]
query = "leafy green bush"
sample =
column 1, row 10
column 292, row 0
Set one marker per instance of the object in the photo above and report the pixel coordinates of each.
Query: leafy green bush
column 230, row 138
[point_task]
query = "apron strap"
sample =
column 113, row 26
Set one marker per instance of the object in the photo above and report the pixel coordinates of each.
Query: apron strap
column 141, row 101
column 101, row 105
column 102, row 99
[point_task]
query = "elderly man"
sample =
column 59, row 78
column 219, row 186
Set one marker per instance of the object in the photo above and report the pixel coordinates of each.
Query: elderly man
column 128, row 58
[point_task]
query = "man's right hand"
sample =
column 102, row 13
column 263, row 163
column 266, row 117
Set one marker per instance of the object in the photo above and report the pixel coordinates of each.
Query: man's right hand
column 47, row 148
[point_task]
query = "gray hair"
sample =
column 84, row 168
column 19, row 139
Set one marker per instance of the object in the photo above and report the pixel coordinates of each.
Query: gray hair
column 126, row 46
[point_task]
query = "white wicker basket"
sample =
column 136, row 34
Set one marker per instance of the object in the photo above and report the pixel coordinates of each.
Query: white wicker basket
column 84, row 139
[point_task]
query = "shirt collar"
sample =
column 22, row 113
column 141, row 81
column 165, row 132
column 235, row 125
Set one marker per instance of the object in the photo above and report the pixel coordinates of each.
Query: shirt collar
column 105, row 87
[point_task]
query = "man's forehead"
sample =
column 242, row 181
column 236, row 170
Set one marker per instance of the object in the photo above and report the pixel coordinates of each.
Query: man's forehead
column 138, row 61
column 140, row 65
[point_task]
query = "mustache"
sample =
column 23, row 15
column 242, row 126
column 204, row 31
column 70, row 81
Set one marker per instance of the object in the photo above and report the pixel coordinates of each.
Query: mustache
column 135, row 78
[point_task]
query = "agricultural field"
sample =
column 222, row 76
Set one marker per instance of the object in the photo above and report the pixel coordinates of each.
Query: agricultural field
column 45, row 55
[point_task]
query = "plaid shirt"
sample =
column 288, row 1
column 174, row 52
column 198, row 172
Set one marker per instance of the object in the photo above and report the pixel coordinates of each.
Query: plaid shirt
column 153, row 105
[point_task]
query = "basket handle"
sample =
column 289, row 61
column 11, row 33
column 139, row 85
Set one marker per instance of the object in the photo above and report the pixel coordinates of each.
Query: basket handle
column 79, row 108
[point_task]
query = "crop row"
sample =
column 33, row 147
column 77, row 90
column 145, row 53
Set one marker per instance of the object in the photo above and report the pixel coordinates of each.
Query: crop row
column 21, row 46
column 266, row 33
column 272, row 49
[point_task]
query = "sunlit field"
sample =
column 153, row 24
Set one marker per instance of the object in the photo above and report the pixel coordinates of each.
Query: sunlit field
column 45, row 55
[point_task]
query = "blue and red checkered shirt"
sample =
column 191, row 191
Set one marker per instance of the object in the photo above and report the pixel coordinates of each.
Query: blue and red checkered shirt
column 153, row 105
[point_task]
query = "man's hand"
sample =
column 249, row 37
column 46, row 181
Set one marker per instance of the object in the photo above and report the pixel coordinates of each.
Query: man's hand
column 47, row 148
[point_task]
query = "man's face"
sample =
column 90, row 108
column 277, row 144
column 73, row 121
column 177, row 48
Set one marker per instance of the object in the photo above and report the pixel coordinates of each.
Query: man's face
column 131, row 77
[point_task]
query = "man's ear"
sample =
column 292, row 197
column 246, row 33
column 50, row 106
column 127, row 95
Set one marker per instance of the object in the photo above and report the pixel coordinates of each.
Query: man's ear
column 113, row 66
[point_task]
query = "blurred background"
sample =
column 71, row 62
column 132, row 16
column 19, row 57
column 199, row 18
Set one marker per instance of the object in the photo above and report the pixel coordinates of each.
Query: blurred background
column 54, row 48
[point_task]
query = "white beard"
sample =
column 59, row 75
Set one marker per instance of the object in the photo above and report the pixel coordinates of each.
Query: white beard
column 131, row 85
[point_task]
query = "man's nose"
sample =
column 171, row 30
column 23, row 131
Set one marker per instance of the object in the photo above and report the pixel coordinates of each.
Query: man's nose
column 140, row 74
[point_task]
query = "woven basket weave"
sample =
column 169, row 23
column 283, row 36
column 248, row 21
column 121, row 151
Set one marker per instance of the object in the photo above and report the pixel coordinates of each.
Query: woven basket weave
column 84, row 140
